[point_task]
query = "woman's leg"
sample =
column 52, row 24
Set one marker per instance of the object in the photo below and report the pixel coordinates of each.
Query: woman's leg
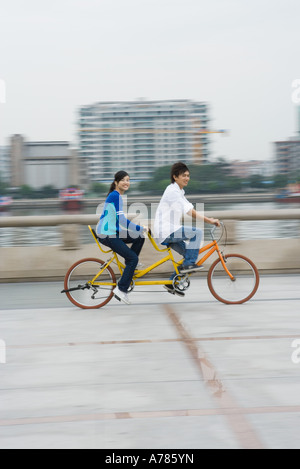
column 130, row 255
column 137, row 243
column 131, row 259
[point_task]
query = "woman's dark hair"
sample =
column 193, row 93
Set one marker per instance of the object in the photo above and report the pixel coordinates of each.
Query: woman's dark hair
column 118, row 177
column 177, row 169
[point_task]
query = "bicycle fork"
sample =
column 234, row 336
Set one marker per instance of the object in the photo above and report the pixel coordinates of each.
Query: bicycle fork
column 223, row 262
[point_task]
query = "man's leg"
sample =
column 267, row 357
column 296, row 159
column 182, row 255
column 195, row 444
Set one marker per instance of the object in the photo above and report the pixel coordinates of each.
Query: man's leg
column 194, row 235
column 179, row 247
column 189, row 251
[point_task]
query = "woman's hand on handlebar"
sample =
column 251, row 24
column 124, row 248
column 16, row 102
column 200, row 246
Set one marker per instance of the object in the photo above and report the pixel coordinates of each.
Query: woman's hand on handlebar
column 146, row 229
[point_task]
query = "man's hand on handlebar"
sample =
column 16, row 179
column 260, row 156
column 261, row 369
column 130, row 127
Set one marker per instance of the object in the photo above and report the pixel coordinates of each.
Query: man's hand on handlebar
column 214, row 221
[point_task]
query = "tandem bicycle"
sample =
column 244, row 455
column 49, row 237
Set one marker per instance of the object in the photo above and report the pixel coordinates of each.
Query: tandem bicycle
column 232, row 278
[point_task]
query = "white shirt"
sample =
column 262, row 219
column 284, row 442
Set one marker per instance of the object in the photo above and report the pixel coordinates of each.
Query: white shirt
column 172, row 206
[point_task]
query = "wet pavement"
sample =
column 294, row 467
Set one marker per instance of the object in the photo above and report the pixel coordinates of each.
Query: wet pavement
column 164, row 372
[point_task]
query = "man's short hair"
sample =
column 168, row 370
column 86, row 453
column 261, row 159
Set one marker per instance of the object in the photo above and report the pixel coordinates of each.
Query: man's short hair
column 177, row 169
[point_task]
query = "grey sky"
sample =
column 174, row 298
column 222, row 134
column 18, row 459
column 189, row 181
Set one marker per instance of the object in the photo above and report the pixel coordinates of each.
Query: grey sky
column 239, row 56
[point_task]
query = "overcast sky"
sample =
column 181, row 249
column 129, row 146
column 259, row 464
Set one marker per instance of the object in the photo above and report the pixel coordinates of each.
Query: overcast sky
column 239, row 56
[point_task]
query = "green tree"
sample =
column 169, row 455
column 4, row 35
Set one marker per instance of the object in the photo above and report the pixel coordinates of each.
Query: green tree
column 280, row 181
column 98, row 188
column 48, row 192
column 26, row 192
column 256, row 181
column 3, row 187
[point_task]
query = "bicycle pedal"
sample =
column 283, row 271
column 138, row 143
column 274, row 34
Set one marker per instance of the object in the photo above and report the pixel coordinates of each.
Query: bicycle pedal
column 169, row 289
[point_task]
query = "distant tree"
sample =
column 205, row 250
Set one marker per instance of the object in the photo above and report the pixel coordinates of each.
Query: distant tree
column 48, row 192
column 3, row 187
column 208, row 178
column 280, row 181
column 256, row 181
column 98, row 188
column 26, row 191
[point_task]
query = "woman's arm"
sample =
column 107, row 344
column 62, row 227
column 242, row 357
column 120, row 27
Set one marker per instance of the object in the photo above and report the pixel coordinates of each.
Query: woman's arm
column 123, row 221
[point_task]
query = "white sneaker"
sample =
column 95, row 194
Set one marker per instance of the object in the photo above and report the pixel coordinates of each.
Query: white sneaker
column 121, row 296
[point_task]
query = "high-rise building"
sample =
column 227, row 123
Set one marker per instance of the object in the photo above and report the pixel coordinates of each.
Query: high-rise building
column 4, row 164
column 287, row 156
column 139, row 136
column 287, row 152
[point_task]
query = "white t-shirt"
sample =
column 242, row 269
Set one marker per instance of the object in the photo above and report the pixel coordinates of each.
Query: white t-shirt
column 172, row 206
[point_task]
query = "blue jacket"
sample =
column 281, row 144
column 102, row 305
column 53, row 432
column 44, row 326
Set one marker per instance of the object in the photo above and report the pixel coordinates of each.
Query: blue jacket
column 112, row 219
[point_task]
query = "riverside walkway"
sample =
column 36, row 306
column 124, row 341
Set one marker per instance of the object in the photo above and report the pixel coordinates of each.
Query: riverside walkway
column 164, row 372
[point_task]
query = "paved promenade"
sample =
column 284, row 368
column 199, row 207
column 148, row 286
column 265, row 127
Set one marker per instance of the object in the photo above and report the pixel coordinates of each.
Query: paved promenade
column 165, row 372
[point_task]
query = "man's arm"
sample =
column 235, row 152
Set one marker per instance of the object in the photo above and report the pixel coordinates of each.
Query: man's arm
column 198, row 216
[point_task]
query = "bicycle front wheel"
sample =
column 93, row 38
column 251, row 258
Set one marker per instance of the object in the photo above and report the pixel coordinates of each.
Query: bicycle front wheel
column 84, row 286
column 241, row 288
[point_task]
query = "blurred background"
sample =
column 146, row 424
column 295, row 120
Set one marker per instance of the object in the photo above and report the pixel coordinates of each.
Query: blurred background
column 88, row 88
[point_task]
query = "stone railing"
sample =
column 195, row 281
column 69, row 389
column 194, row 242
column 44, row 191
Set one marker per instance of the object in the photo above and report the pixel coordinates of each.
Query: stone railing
column 51, row 262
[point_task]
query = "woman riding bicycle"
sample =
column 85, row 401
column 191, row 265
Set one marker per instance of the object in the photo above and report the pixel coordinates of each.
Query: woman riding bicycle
column 116, row 231
column 90, row 282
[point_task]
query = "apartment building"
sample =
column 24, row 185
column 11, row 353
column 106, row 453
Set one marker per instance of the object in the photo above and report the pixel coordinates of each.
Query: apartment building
column 245, row 169
column 287, row 156
column 39, row 164
column 287, row 152
column 139, row 136
column 4, row 164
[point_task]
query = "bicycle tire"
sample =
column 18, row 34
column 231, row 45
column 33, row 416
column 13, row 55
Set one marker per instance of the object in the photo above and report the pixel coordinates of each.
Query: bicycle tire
column 223, row 288
column 79, row 299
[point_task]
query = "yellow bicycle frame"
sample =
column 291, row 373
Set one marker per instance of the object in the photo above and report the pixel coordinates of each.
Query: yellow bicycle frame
column 211, row 247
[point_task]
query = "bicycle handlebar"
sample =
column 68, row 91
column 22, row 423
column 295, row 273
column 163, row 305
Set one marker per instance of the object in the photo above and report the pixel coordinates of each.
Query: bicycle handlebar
column 212, row 231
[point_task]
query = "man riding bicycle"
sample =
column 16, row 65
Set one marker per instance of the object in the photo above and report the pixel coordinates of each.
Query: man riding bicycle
column 168, row 228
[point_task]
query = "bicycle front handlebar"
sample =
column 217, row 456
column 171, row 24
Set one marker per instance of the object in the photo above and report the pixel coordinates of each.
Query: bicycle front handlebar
column 212, row 231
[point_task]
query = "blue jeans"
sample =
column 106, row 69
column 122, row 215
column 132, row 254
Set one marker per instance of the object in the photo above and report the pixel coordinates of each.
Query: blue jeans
column 130, row 255
column 177, row 240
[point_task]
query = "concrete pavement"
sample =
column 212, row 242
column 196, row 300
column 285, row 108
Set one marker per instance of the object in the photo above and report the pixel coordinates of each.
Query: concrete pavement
column 165, row 372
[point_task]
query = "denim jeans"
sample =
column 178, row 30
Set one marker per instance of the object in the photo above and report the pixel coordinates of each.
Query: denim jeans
column 130, row 255
column 190, row 252
column 177, row 240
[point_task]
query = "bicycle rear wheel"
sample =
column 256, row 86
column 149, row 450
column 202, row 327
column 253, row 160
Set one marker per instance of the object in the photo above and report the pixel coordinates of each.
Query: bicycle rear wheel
column 244, row 284
column 82, row 291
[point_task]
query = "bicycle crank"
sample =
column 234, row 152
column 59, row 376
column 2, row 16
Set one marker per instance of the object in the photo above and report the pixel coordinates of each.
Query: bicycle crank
column 79, row 287
column 181, row 282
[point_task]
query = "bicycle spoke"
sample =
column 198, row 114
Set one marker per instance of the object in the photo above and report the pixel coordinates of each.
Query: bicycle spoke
column 239, row 289
column 79, row 286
